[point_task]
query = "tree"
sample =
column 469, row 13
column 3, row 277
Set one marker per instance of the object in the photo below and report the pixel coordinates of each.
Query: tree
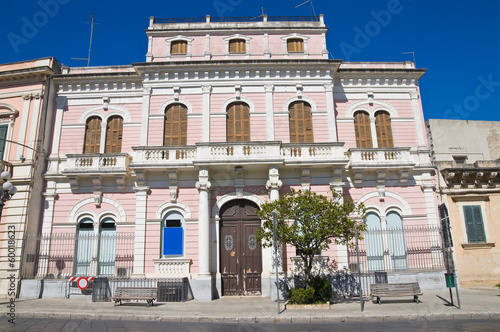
column 310, row 222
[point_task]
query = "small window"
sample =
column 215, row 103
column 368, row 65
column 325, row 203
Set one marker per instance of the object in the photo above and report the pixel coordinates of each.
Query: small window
column 237, row 46
column 178, row 47
column 295, row 45
column 474, row 224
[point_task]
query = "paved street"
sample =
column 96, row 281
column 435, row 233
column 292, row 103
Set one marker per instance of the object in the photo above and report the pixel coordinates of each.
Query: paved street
column 62, row 325
column 480, row 312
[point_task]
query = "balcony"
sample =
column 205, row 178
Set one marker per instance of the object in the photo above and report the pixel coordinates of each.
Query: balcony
column 381, row 161
column 239, row 153
column 96, row 166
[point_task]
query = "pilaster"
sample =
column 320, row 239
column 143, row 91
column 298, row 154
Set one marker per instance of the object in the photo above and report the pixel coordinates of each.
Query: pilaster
column 330, row 109
column 270, row 111
column 61, row 102
column 140, row 230
column 206, row 89
column 146, row 97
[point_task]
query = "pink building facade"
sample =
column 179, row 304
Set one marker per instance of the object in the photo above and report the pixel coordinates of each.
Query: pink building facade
column 179, row 151
column 26, row 98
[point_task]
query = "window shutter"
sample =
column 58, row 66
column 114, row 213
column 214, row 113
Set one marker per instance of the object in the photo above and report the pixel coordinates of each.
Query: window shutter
column 114, row 135
column 92, row 135
column 362, row 130
column 3, row 136
column 178, row 47
column 175, row 126
column 295, row 45
column 238, row 123
column 300, row 120
column 237, row 46
column 474, row 224
column 384, row 130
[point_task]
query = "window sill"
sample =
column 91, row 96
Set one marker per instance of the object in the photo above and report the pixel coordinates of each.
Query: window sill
column 472, row 246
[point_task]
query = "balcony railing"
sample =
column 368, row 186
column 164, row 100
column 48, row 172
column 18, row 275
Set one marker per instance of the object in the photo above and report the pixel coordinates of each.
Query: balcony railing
column 114, row 163
column 239, row 152
column 380, row 157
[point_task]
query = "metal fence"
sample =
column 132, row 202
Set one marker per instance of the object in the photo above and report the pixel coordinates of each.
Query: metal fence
column 237, row 19
column 64, row 255
column 414, row 248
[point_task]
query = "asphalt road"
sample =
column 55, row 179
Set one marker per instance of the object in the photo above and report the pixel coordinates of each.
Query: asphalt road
column 61, row 325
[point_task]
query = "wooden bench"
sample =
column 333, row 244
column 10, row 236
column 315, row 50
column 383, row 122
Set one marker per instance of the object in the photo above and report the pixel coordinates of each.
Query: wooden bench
column 148, row 294
column 396, row 290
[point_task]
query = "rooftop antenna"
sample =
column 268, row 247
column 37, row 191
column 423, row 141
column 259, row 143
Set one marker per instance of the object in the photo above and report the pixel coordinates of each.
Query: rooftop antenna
column 313, row 12
column 415, row 62
column 262, row 10
column 92, row 23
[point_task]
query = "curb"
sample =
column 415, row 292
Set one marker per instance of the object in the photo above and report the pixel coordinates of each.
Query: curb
column 265, row 319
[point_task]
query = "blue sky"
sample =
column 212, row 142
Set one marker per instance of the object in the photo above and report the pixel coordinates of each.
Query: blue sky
column 457, row 41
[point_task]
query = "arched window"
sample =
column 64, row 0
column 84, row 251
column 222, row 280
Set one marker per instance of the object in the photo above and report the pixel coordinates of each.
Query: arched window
column 237, row 46
column 178, row 47
column 238, row 122
column 92, row 135
column 295, row 45
column 173, row 235
column 114, row 129
column 300, row 120
column 384, row 130
column 362, row 130
column 84, row 246
column 175, row 126
column 107, row 247
column 396, row 241
column 374, row 244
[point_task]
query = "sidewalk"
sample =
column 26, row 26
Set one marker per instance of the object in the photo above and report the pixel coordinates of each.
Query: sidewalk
column 475, row 303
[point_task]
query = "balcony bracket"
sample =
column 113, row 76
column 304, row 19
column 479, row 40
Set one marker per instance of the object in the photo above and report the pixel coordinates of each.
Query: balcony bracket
column 74, row 182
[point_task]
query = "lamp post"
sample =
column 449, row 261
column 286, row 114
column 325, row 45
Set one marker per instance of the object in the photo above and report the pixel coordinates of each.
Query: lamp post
column 8, row 190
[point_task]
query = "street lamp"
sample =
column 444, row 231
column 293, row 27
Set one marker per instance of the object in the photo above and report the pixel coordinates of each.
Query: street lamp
column 8, row 190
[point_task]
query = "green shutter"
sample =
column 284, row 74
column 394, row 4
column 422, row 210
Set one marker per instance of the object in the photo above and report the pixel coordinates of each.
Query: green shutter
column 474, row 224
column 3, row 136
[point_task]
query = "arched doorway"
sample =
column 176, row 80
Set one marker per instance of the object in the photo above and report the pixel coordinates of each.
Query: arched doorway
column 240, row 253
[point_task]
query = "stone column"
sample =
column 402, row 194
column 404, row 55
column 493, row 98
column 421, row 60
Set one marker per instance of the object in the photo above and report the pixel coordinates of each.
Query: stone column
column 273, row 185
column 140, row 230
column 203, row 291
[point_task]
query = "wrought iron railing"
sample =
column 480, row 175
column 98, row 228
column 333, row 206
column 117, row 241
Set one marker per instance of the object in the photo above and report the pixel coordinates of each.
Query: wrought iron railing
column 414, row 248
column 259, row 18
column 64, row 255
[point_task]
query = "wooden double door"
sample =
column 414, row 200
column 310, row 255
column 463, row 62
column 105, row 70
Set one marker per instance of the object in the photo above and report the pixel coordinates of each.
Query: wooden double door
column 240, row 252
